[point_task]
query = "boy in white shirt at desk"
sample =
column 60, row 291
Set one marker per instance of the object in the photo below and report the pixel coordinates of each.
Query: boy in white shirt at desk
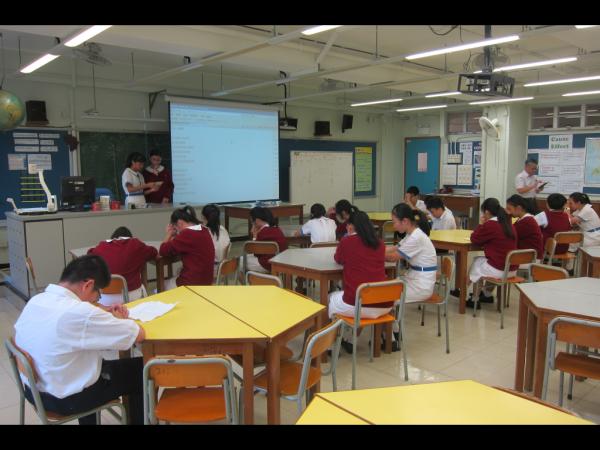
column 320, row 227
column 442, row 217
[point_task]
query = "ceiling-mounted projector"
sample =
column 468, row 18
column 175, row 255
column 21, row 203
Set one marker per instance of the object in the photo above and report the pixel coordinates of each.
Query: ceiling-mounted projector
column 486, row 84
column 288, row 124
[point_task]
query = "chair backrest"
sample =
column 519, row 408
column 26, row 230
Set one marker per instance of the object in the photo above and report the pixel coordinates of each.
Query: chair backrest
column 29, row 265
column 226, row 268
column 568, row 237
column 23, row 360
column 447, row 267
column 227, row 250
column 117, row 285
column 549, row 249
column 187, row 371
column 543, row 272
column 585, row 333
column 324, row 244
column 518, row 257
column 261, row 247
column 379, row 292
column 262, row 279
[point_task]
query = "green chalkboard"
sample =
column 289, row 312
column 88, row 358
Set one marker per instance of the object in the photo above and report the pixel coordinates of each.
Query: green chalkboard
column 103, row 155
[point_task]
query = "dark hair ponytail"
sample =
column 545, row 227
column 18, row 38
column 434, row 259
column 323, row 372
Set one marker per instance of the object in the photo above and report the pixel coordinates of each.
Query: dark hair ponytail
column 135, row 157
column 187, row 214
column 317, row 210
column 580, row 197
column 493, row 206
column 517, row 200
column 264, row 214
column 364, row 228
column 416, row 216
column 121, row 232
column 213, row 218
column 344, row 206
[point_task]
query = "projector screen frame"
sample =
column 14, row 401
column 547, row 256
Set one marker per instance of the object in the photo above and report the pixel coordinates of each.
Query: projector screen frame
column 200, row 101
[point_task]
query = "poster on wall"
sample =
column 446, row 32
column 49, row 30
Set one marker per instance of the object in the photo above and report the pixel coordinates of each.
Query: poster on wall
column 560, row 142
column 466, row 148
column 464, row 176
column 449, row 175
column 363, row 169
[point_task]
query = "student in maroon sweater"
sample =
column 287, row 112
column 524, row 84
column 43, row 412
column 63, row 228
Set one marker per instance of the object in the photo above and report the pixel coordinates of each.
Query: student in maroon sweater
column 498, row 237
column 264, row 229
column 125, row 256
column 362, row 254
column 554, row 219
column 156, row 172
column 529, row 234
column 340, row 213
column 186, row 237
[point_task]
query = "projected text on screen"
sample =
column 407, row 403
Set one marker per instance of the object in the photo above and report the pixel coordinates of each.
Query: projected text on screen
column 224, row 154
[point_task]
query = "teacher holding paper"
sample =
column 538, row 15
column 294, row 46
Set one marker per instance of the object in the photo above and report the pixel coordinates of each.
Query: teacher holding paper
column 528, row 184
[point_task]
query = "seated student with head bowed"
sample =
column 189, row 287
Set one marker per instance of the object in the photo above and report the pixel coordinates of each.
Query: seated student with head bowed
column 362, row 254
column 66, row 332
column 585, row 218
column 340, row 213
column 264, row 229
column 442, row 217
column 529, row 233
column 553, row 220
column 497, row 235
column 320, row 228
column 125, row 256
column 211, row 217
column 412, row 198
column 186, row 237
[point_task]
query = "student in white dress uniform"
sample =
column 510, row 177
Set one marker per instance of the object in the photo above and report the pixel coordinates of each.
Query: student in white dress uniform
column 412, row 198
column 211, row 217
column 133, row 182
column 441, row 217
column 65, row 331
column 320, row 228
column 583, row 216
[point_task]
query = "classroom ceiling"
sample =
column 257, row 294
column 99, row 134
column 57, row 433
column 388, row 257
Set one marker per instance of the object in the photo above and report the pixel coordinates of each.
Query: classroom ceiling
column 330, row 69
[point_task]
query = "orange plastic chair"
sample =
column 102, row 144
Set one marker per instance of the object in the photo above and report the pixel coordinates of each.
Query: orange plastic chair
column 258, row 248
column 118, row 285
column 227, row 268
column 567, row 237
column 369, row 294
column 513, row 258
column 543, row 272
column 197, row 389
column 549, row 250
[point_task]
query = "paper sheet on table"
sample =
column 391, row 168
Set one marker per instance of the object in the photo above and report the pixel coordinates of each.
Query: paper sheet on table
column 148, row 311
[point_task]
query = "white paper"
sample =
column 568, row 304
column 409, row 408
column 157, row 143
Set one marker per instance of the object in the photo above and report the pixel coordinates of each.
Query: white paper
column 449, row 175
column 477, row 158
column 466, row 148
column 549, row 164
column 17, row 134
column 27, row 142
column 560, row 142
column 567, row 186
column 464, row 176
column 49, row 136
column 422, row 162
column 145, row 312
column 16, row 161
column 454, row 158
column 26, row 148
column 41, row 162
column 553, row 186
column 572, row 173
column 49, row 148
column 575, row 157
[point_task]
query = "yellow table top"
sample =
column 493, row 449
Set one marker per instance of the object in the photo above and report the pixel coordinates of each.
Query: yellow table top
column 268, row 309
column 380, row 215
column 452, row 402
column 321, row 412
column 452, row 236
column 193, row 318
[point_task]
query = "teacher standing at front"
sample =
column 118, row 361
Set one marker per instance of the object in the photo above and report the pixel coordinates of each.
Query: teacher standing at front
column 133, row 181
column 528, row 184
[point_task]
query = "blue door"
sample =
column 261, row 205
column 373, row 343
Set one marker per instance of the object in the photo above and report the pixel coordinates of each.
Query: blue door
column 422, row 164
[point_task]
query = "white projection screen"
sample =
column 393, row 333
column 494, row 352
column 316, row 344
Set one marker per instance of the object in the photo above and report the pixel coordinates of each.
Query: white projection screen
column 223, row 152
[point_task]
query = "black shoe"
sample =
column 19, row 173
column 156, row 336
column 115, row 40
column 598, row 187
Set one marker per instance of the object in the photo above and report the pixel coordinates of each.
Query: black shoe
column 484, row 299
column 571, row 272
column 395, row 346
column 455, row 292
column 470, row 303
column 347, row 346
column 396, row 336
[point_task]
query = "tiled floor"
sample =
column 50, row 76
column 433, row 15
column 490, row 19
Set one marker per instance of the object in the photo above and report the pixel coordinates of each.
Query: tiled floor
column 479, row 350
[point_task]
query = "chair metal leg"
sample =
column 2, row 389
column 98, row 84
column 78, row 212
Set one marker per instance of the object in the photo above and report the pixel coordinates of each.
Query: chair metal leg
column 570, row 393
column 560, row 388
column 439, row 321
column 476, row 292
column 507, row 304
column 404, row 354
column 354, row 358
column 447, row 332
column 334, row 357
column 422, row 314
column 372, row 346
column 501, row 301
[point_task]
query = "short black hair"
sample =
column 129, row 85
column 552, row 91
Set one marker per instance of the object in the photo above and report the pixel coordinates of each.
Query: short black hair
column 556, row 201
column 135, row 157
column 531, row 161
column 580, row 197
column 264, row 214
column 121, row 232
column 433, row 202
column 187, row 214
column 317, row 210
column 85, row 268
column 413, row 190
column 155, row 153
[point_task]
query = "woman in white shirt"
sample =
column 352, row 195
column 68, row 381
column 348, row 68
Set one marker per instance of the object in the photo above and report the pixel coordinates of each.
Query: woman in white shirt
column 584, row 216
column 133, row 181
column 211, row 217
column 320, row 227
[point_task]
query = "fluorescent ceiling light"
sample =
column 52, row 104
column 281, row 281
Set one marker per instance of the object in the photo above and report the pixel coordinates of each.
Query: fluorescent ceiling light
column 535, row 64
column 459, row 48
column 319, row 29
column 422, row 107
column 504, row 100
column 581, row 27
column 443, row 94
column 86, row 35
column 39, row 63
column 570, row 94
column 566, row 80
column 375, row 102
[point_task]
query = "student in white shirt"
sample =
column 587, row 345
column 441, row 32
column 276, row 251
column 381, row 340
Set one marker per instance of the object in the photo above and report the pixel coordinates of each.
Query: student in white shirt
column 133, row 181
column 320, row 227
column 412, row 198
column 211, row 217
column 65, row 331
column 442, row 218
column 584, row 217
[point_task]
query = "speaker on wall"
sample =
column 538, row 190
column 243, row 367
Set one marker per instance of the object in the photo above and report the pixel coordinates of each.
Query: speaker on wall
column 36, row 112
column 322, row 128
column 346, row 122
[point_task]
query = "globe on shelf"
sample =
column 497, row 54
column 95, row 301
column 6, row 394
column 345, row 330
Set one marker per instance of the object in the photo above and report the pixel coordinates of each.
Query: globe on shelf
column 12, row 110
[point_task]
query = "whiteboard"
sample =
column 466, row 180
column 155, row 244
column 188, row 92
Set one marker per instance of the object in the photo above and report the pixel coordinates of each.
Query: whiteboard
column 320, row 177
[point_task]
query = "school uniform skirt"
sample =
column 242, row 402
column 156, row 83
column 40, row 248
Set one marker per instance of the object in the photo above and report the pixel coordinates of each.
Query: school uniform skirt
column 419, row 285
column 338, row 306
column 138, row 200
column 117, row 299
column 253, row 264
column 481, row 268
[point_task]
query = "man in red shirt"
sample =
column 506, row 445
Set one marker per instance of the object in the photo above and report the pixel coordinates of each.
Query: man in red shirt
column 156, row 172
